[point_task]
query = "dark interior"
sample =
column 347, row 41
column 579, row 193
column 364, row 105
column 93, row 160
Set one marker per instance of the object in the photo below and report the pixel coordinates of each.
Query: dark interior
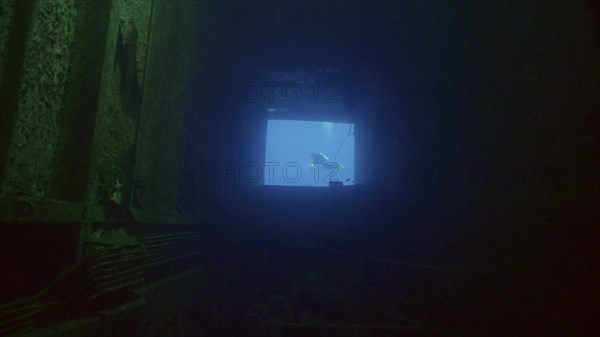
column 124, row 211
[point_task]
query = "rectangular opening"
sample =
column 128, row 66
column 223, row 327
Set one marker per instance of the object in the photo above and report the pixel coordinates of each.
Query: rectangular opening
column 309, row 153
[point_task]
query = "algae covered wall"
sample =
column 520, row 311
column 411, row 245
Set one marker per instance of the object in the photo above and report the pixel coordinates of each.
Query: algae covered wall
column 141, row 106
column 91, row 109
column 98, row 106
column 119, row 102
column 34, row 139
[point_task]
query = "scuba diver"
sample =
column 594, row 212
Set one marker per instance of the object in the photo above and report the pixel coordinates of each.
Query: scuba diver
column 322, row 160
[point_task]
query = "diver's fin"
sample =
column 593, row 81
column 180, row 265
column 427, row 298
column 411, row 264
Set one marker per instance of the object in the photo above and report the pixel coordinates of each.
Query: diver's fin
column 333, row 164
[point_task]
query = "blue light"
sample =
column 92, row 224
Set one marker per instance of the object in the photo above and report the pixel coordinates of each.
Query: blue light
column 293, row 148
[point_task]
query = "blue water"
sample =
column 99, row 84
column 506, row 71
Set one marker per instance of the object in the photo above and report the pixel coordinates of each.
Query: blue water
column 289, row 147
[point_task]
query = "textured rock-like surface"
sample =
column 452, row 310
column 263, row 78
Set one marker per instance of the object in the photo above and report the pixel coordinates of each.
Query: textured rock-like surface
column 40, row 98
column 113, row 153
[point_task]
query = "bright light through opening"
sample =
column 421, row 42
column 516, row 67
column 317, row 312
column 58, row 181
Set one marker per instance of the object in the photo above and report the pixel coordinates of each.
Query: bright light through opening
column 307, row 153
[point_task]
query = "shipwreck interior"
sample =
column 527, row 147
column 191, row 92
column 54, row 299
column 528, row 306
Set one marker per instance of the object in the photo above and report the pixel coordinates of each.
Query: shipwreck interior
column 155, row 179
